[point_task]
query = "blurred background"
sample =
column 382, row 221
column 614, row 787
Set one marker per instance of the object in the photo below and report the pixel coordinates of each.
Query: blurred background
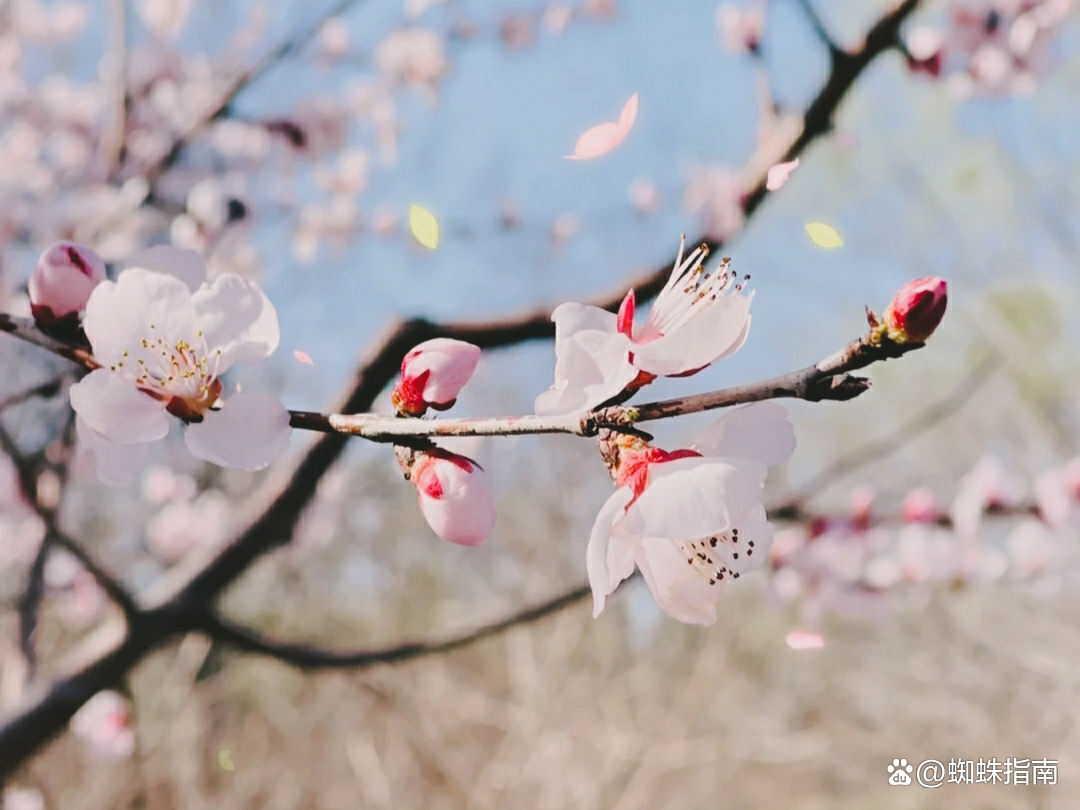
column 933, row 552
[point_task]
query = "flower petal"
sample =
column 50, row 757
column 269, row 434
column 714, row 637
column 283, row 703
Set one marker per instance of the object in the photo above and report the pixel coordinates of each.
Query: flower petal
column 601, row 139
column 139, row 305
column 186, row 265
column 679, row 589
column 695, row 497
column 116, row 464
column 248, row 433
column 456, row 499
column 759, row 431
column 236, row 317
column 117, row 410
column 592, row 360
column 779, row 174
column 716, row 332
column 609, row 559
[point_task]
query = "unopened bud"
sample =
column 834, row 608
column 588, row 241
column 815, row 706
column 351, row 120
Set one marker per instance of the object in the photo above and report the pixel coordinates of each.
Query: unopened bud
column 62, row 281
column 433, row 374
column 916, row 310
column 455, row 496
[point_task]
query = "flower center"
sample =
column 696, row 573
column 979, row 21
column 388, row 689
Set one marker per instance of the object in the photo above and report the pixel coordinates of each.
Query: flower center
column 691, row 290
column 180, row 372
column 702, row 557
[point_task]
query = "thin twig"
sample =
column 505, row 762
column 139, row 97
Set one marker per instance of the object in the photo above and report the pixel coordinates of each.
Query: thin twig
column 812, row 16
column 310, row 657
column 48, row 388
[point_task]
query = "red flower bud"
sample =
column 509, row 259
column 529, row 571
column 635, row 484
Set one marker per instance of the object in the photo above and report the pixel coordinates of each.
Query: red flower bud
column 62, row 281
column 917, row 309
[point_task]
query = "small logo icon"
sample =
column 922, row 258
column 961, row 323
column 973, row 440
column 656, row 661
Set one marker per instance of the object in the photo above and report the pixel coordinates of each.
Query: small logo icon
column 931, row 774
column 226, row 763
column 899, row 772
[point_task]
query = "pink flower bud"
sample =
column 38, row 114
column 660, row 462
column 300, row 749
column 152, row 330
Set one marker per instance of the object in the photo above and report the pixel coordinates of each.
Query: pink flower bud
column 921, row 506
column 62, row 281
column 433, row 374
column 455, row 496
column 917, row 309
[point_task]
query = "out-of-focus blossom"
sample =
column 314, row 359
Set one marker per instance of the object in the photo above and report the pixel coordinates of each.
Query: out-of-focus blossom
column 690, row 520
column 334, row 38
column 921, row 506
column 917, row 309
column 433, row 374
column 563, row 228
column 164, row 345
column 1030, row 549
column 455, row 496
column 861, row 505
column 183, row 525
column 644, row 196
column 63, row 279
column 717, row 195
column 162, row 484
column 601, row 9
column 416, row 8
column 104, row 725
column 517, row 31
column 316, row 128
column 164, row 17
column 556, row 17
column 413, row 56
column 1057, row 494
column 698, row 318
column 991, row 47
column 15, row 798
column 384, row 221
column 988, row 486
column 510, row 216
column 741, row 27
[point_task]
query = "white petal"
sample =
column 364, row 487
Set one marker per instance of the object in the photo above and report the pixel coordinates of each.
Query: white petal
column 116, row 464
column 759, row 431
column 248, row 433
column 754, row 527
column 717, row 331
column 186, row 265
column 608, row 559
column 679, row 589
column 139, row 305
column 117, row 410
column 695, row 497
column 592, row 360
column 237, row 318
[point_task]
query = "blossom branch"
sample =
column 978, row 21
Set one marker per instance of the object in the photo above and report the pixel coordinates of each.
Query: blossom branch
column 812, row 16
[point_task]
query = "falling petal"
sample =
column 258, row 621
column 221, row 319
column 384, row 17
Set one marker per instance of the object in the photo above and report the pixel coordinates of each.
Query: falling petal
column 602, row 138
column 424, row 226
column 801, row 640
column 824, row 236
column 779, row 174
column 303, row 357
column 238, row 388
column 225, row 762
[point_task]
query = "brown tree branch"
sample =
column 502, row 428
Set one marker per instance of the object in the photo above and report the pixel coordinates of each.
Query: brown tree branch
column 45, row 714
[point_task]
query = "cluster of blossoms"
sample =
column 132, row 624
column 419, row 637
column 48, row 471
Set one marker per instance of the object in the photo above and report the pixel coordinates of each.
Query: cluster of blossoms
column 990, row 47
column 163, row 337
column 860, row 565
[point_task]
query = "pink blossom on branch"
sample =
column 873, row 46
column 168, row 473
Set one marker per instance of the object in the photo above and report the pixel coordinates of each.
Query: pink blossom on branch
column 693, row 519
column 63, row 279
column 698, row 318
column 455, row 496
column 164, row 345
column 433, row 374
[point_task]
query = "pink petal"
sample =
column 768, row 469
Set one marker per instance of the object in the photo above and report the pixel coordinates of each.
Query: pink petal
column 303, row 357
column 603, row 138
column 801, row 640
column 250, row 432
column 779, row 174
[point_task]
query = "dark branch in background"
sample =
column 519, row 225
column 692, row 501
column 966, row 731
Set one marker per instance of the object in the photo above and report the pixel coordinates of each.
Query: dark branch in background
column 49, row 388
column 47, row 712
column 310, row 657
